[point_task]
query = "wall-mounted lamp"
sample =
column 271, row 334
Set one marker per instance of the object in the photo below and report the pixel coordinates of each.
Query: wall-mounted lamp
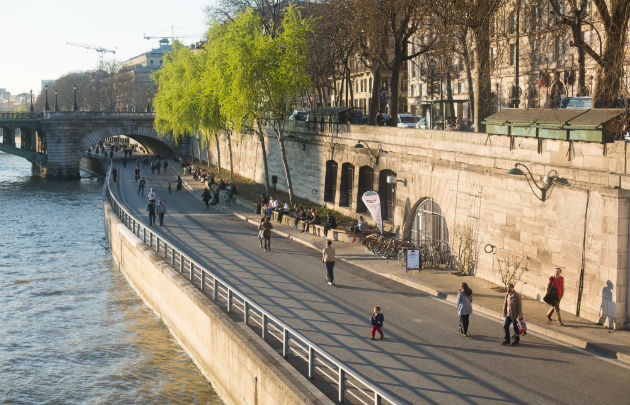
column 394, row 180
column 547, row 182
column 373, row 156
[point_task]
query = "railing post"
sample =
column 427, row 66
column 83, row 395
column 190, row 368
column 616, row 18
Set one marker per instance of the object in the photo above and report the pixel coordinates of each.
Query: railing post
column 166, row 251
column 203, row 279
column 285, row 342
column 263, row 332
column 157, row 245
column 144, row 235
column 377, row 399
column 342, row 384
column 311, row 362
column 181, row 263
column 229, row 300
column 214, row 289
column 245, row 309
column 151, row 239
column 172, row 257
column 192, row 270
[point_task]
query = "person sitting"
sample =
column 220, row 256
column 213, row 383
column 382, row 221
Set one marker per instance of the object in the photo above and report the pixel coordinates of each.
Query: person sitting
column 283, row 209
column 308, row 216
column 267, row 207
column 331, row 223
column 314, row 221
column 359, row 229
column 299, row 216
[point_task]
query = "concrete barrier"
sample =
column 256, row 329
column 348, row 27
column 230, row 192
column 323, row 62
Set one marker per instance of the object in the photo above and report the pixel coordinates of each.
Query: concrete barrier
column 241, row 367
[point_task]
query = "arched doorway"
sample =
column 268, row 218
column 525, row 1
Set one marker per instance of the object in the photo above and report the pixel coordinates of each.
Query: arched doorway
column 366, row 182
column 330, row 185
column 345, row 186
column 386, row 194
column 429, row 225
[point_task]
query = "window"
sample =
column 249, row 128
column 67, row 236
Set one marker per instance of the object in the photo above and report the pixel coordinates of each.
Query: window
column 512, row 54
column 386, row 194
column 429, row 225
column 412, row 89
column 420, row 90
column 459, row 88
column 330, row 185
column 345, row 187
column 366, row 182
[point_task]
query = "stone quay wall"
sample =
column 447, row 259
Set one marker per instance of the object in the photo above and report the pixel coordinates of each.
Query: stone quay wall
column 583, row 223
column 241, row 367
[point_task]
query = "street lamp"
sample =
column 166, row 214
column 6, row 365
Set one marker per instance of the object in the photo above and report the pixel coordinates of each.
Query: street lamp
column 56, row 105
column 547, row 182
column 373, row 156
column 32, row 109
column 75, row 107
column 46, row 106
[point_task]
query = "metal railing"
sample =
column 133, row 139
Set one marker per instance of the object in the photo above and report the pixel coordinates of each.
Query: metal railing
column 20, row 115
column 78, row 114
column 350, row 386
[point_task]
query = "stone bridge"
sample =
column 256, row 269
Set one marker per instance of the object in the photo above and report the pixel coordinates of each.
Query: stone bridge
column 55, row 141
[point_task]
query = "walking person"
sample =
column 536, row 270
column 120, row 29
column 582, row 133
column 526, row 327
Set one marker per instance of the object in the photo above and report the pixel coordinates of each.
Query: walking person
column 556, row 281
column 169, row 186
column 328, row 257
column 206, row 197
column 377, row 320
column 179, row 183
column 115, row 174
column 151, row 209
column 513, row 312
column 165, row 167
column 161, row 211
column 151, row 195
column 260, row 231
column 464, row 308
column 141, row 185
column 137, row 170
column 158, row 166
column 267, row 227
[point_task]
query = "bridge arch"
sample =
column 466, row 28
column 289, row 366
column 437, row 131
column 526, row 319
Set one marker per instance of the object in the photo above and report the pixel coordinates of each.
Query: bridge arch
column 147, row 137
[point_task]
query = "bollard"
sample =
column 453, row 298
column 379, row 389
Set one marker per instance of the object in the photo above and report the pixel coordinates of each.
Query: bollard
column 263, row 332
column 311, row 362
column 285, row 342
column 342, row 384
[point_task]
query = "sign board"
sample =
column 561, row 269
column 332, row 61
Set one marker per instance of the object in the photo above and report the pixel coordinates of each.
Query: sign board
column 373, row 203
column 413, row 259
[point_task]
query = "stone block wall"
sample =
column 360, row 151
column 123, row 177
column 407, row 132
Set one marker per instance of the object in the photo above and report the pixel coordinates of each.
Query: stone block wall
column 583, row 223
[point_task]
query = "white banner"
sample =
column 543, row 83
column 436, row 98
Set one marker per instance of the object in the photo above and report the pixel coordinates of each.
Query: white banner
column 373, row 203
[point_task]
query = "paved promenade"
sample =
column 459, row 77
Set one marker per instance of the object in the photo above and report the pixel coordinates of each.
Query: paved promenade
column 422, row 359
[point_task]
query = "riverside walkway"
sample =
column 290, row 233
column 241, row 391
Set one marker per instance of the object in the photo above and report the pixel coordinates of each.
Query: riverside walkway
column 422, row 359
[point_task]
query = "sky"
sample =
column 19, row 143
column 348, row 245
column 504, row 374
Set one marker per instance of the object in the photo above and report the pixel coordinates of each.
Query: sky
column 33, row 34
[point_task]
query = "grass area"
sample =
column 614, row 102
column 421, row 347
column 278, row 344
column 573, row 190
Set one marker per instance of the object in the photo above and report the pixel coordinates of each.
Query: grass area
column 251, row 190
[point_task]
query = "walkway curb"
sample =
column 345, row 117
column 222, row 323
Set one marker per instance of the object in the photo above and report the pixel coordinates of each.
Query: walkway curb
column 536, row 328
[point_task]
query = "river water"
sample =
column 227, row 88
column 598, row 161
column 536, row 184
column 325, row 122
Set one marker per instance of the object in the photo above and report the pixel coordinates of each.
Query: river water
column 72, row 330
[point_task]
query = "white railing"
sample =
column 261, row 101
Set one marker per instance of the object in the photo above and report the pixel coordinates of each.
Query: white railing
column 350, row 386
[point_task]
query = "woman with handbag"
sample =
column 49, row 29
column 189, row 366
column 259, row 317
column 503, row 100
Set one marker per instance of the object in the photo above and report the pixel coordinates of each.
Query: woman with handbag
column 555, row 282
column 464, row 308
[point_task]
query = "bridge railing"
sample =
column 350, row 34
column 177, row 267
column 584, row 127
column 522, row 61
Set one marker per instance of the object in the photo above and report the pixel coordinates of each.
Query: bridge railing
column 21, row 115
column 350, row 386
column 99, row 114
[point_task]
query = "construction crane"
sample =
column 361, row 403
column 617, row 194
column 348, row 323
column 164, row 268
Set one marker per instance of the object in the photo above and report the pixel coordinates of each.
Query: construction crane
column 172, row 37
column 98, row 49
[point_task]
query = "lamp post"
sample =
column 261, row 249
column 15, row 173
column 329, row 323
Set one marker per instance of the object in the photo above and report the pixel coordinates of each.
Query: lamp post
column 32, row 109
column 75, row 107
column 46, row 106
column 56, row 105
column 547, row 183
column 373, row 156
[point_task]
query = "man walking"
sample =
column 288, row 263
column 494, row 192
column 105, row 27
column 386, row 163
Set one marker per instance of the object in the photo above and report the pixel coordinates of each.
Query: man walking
column 556, row 281
column 151, row 209
column 161, row 210
column 141, row 185
column 513, row 312
column 328, row 257
column 267, row 227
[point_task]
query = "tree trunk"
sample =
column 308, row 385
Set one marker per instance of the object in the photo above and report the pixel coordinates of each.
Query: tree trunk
column 469, row 77
column 192, row 145
column 374, row 101
column 228, row 134
column 610, row 75
column 483, row 95
column 216, row 141
column 449, row 95
column 200, row 147
column 208, row 144
column 351, row 90
column 261, row 138
column 279, row 130
column 393, row 84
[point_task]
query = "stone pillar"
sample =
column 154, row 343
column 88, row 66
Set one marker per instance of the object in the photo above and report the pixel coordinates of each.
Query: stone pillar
column 63, row 148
